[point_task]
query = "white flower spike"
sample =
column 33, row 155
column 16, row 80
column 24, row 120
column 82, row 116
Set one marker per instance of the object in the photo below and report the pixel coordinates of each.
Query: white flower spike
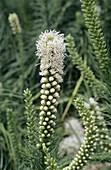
column 51, row 50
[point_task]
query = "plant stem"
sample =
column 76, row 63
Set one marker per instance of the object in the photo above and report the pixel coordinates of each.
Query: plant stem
column 20, row 42
column 73, row 95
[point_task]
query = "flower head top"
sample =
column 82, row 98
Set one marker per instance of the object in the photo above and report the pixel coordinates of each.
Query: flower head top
column 14, row 23
column 51, row 50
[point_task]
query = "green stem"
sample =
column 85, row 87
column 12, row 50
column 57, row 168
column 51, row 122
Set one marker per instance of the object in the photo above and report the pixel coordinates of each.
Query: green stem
column 20, row 42
column 72, row 97
column 74, row 91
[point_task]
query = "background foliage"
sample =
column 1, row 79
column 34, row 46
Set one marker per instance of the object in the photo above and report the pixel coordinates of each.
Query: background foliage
column 36, row 16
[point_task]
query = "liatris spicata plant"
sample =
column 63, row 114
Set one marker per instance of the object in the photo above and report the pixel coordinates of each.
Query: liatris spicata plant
column 51, row 51
column 14, row 23
column 91, row 137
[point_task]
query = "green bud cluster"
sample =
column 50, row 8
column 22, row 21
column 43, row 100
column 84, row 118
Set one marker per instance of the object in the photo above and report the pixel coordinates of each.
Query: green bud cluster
column 95, row 31
column 86, row 71
column 104, row 139
column 90, row 139
column 14, row 23
column 49, row 94
column 49, row 162
column 31, row 116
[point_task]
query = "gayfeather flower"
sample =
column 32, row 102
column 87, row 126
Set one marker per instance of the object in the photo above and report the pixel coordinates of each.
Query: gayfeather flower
column 14, row 23
column 51, row 50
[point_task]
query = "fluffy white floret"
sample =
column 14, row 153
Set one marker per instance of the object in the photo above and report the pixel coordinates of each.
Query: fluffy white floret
column 51, row 50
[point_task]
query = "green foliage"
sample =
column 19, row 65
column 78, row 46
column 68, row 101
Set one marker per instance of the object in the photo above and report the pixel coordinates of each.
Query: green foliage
column 12, row 131
column 31, row 155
